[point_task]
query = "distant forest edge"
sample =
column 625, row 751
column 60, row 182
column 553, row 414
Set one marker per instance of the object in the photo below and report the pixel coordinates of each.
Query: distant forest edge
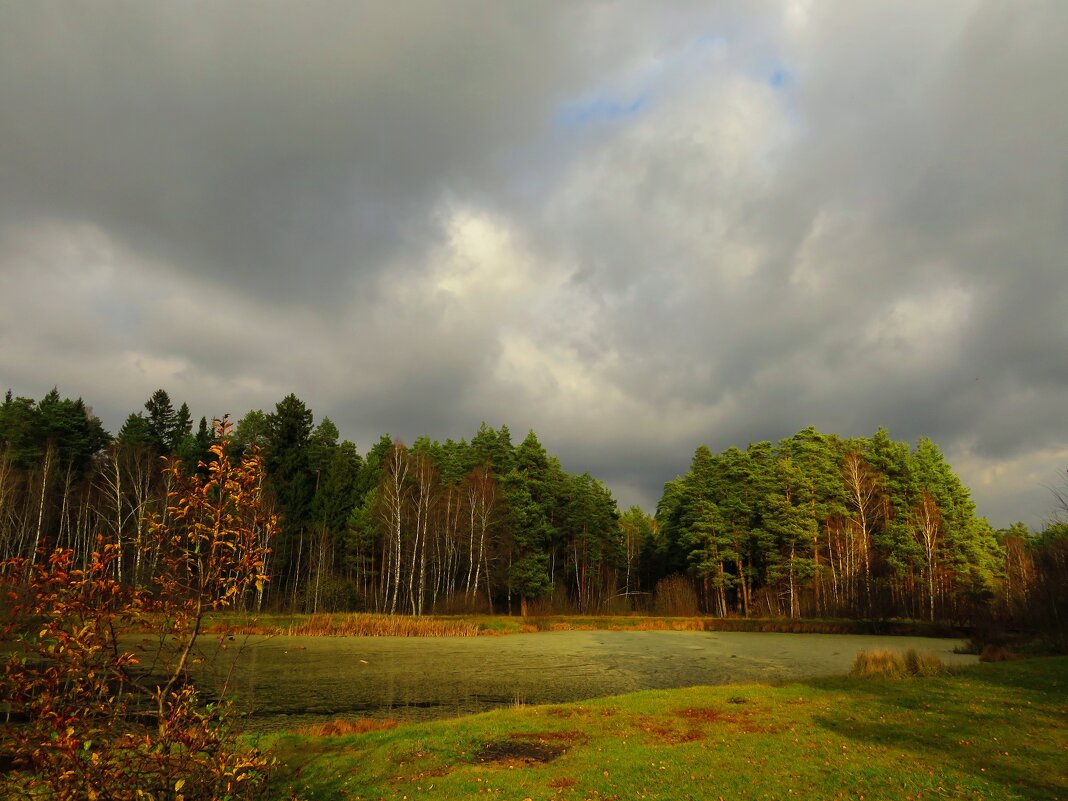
column 814, row 526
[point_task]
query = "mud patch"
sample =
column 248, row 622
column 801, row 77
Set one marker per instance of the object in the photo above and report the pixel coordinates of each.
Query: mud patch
column 661, row 731
column 527, row 752
column 706, row 715
column 529, row 748
column 747, row 722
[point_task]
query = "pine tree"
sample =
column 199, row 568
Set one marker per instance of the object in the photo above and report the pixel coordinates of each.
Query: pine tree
column 527, row 527
column 288, row 431
column 162, row 421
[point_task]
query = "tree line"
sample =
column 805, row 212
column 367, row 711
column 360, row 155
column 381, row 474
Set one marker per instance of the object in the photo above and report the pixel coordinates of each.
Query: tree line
column 818, row 525
column 815, row 525
column 479, row 525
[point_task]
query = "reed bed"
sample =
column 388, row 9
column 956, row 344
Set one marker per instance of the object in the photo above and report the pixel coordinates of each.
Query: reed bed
column 893, row 664
column 630, row 623
column 679, row 624
column 365, row 625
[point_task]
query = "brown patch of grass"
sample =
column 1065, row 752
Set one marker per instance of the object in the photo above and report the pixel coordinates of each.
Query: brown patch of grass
column 343, row 728
column 749, row 724
column 706, row 715
column 745, row 721
column 562, row 783
column 661, row 732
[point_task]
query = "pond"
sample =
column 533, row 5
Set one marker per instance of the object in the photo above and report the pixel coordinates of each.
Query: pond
column 291, row 681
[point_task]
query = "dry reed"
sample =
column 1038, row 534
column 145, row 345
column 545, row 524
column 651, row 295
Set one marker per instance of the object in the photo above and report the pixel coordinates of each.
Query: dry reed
column 343, row 728
column 893, row 664
column 365, row 625
column 655, row 624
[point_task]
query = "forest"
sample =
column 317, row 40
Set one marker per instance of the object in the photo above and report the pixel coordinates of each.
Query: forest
column 813, row 526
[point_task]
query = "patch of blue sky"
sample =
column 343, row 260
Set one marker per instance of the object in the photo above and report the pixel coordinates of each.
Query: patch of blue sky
column 604, row 108
column 633, row 91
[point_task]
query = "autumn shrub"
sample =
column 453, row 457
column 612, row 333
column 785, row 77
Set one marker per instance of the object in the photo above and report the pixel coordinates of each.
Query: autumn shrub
column 328, row 593
column 92, row 722
column 675, row 597
column 998, row 653
column 462, row 603
column 618, row 605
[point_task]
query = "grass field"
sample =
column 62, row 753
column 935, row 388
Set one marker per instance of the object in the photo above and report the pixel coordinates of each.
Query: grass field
column 992, row 731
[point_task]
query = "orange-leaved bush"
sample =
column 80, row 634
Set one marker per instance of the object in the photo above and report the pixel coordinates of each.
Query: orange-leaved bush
column 86, row 719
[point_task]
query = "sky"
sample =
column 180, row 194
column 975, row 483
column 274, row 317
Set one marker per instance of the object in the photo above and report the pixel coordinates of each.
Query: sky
column 633, row 227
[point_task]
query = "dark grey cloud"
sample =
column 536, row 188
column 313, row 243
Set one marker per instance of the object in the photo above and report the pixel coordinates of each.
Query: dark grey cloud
column 284, row 148
column 633, row 227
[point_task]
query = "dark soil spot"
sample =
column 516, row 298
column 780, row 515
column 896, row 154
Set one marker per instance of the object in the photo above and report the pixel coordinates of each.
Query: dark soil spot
column 520, row 751
column 530, row 748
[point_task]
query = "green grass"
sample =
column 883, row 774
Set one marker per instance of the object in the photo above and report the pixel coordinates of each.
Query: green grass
column 993, row 731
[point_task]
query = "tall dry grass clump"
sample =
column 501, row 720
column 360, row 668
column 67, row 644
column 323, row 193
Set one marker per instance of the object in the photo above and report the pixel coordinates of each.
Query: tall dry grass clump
column 878, row 663
column 365, row 625
column 343, row 728
column 893, row 664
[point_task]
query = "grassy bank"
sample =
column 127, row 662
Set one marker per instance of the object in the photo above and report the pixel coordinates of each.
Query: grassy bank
column 371, row 625
column 993, row 731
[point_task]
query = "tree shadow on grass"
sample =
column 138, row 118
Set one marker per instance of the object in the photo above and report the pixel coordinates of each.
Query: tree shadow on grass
column 1006, row 724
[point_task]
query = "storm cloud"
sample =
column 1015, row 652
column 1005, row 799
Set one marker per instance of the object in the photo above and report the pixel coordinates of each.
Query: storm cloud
column 633, row 227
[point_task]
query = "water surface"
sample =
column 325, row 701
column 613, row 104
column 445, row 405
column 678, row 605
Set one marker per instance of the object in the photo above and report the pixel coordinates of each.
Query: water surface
column 289, row 681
